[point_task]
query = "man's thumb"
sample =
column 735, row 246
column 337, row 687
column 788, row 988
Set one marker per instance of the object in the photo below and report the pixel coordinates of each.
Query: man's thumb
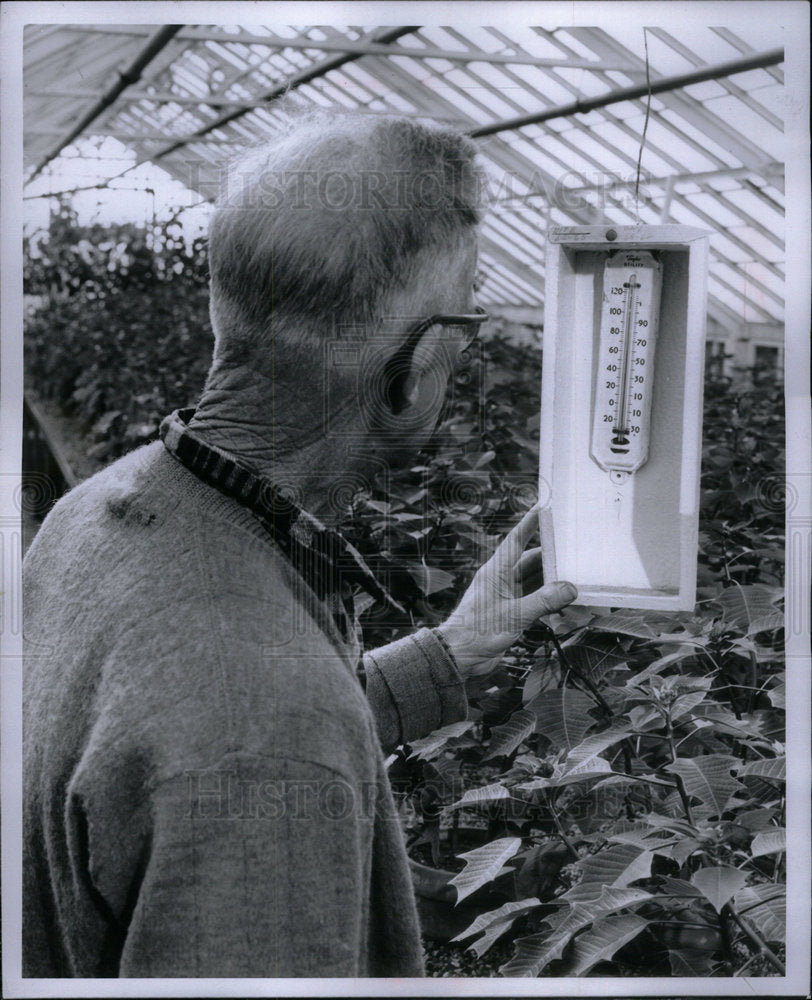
column 550, row 597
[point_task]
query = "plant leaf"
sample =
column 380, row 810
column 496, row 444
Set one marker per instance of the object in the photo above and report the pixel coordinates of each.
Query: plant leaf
column 708, row 779
column 639, row 868
column 655, row 668
column 484, row 458
column 507, row 737
column 481, row 794
column 686, row 703
column 640, row 624
column 771, row 767
column 483, row 865
column 601, row 942
column 562, row 716
column 535, row 952
column 641, row 836
column 755, row 820
column 679, row 887
column 690, row 962
column 429, row 579
column 429, row 746
column 766, row 623
column 595, row 655
column 606, row 868
column 778, row 695
column 596, row 768
column 670, row 823
column 766, row 906
column 542, row 677
column 769, row 842
column 687, row 637
column 495, row 923
column 683, row 849
column 483, row 944
column 746, row 607
column 718, row 885
column 589, row 749
column 720, row 718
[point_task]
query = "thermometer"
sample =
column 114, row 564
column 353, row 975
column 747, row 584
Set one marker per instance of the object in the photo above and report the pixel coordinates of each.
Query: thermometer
column 624, row 375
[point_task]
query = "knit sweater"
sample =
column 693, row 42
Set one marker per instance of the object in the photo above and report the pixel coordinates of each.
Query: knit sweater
column 204, row 788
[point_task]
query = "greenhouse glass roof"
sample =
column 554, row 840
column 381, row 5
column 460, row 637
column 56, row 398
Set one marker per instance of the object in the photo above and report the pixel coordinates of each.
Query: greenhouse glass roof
column 559, row 114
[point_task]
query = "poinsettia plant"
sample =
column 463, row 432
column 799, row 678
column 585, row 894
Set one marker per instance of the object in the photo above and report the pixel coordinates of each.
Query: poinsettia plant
column 661, row 802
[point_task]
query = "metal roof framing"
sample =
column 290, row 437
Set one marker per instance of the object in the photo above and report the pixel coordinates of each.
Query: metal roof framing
column 212, row 91
column 271, row 41
column 132, row 74
column 630, row 93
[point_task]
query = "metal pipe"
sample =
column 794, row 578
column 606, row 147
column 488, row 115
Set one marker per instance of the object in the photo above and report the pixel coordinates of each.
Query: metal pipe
column 131, row 75
column 311, row 73
column 363, row 48
column 580, row 107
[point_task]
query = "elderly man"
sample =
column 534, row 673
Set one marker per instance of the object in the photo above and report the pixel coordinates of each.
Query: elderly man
column 205, row 792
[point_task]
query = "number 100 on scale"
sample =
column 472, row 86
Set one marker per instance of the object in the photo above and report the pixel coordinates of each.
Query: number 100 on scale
column 625, row 367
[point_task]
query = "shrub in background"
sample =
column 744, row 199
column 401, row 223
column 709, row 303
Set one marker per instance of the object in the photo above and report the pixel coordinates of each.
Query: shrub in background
column 119, row 332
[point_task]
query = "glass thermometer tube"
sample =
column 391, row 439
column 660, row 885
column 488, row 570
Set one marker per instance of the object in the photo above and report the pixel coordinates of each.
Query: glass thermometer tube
column 625, row 364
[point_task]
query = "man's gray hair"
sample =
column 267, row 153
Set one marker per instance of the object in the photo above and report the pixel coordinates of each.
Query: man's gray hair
column 315, row 228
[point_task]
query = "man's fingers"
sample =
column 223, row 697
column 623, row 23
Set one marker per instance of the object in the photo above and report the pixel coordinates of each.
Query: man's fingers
column 551, row 597
column 529, row 572
column 515, row 542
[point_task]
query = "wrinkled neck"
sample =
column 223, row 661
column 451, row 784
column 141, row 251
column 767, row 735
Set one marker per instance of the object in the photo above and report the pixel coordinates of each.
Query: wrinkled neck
column 283, row 429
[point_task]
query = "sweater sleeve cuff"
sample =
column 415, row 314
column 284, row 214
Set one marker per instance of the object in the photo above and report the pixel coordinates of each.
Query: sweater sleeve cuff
column 414, row 687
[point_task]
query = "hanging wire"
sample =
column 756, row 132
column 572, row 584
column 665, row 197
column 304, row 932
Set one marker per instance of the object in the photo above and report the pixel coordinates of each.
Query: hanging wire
column 645, row 129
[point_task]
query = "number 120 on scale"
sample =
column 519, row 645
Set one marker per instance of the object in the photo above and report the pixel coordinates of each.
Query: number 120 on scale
column 624, row 378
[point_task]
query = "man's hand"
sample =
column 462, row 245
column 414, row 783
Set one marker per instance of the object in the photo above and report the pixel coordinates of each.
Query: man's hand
column 500, row 602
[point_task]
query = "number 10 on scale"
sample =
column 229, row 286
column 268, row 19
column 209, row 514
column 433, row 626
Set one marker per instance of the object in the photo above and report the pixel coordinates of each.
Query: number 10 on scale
column 625, row 365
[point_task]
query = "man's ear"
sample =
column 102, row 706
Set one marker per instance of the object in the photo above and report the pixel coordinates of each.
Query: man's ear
column 401, row 377
column 417, row 373
column 407, row 381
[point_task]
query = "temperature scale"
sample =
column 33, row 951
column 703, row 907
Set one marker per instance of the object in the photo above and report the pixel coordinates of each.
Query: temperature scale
column 625, row 375
column 621, row 412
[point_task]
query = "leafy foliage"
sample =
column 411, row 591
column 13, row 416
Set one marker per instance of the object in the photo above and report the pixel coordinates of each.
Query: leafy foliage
column 621, row 773
column 121, row 335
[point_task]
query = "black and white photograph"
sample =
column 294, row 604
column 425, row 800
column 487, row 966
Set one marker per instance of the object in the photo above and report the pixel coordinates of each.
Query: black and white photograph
column 405, row 499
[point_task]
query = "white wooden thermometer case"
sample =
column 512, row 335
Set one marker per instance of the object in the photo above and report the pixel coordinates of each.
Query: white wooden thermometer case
column 625, row 539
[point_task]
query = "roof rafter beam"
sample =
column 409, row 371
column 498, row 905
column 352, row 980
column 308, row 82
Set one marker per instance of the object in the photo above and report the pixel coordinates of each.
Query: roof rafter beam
column 384, row 36
column 733, row 89
column 715, row 127
column 362, row 48
column 775, row 179
column 124, row 136
column 132, row 74
column 160, row 97
column 427, row 52
column 666, row 83
column 745, row 49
